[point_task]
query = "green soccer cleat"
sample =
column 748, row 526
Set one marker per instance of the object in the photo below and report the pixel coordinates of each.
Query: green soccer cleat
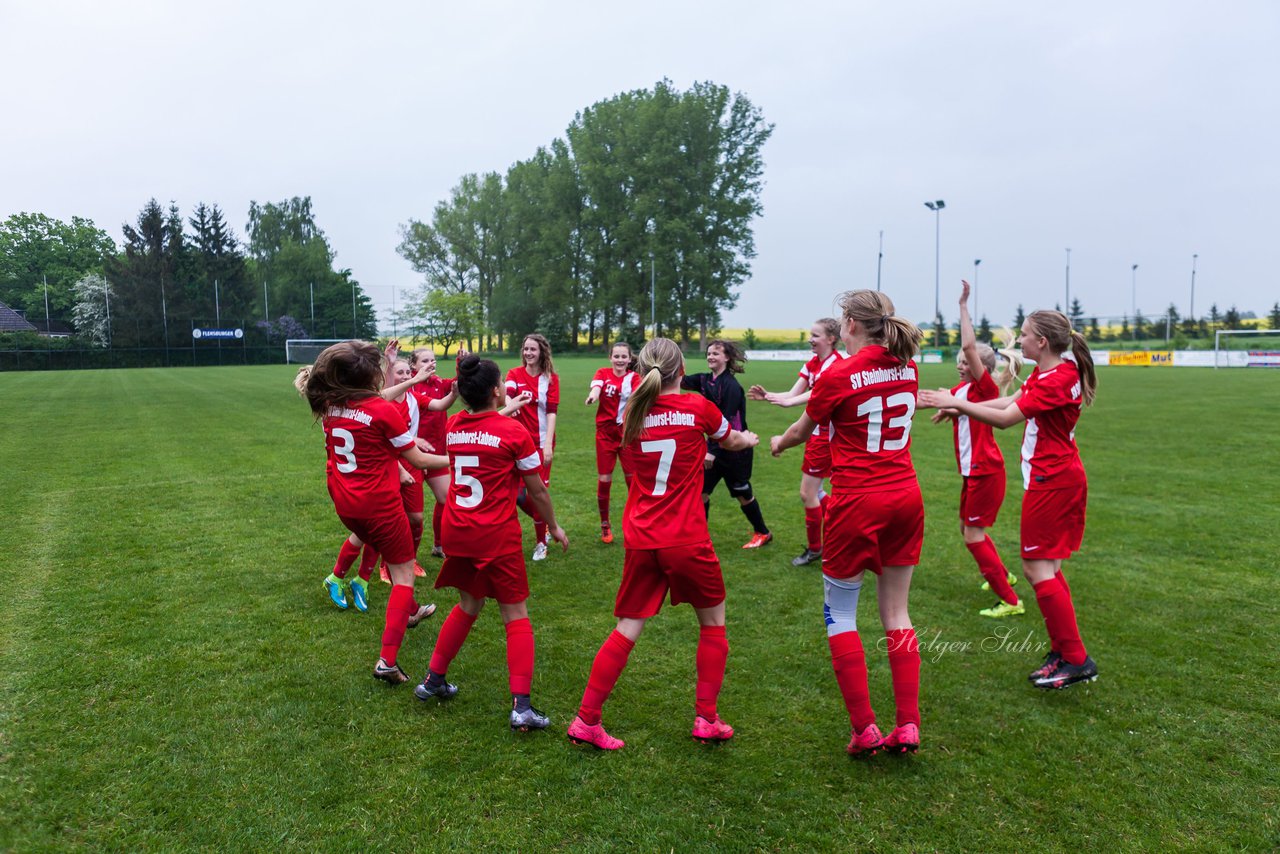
column 335, row 586
column 1004, row 609
column 1013, row 579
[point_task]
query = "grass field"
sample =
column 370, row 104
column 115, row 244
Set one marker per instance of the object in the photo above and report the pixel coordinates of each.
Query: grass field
column 172, row 675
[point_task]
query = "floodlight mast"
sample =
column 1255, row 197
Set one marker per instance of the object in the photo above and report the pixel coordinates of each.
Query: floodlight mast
column 936, row 207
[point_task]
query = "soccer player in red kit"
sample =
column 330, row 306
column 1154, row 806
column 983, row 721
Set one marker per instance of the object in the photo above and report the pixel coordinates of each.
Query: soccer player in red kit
column 610, row 389
column 366, row 438
column 431, row 429
column 816, row 466
column 537, row 377
column 875, row 516
column 668, row 545
column 1053, row 505
column 490, row 457
column 979, row 459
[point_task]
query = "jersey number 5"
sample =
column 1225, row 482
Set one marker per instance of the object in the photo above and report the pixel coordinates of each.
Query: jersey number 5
column 874, row 409
column 476, row 489
column 666, row 448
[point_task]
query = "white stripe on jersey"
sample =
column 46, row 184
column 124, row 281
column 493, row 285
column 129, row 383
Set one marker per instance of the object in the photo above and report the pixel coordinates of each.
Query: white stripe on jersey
column 544, row 382
column 1028, row 451
column 628, row 386
column 530, row 463
column 964, row 437
column 722, row 430
column 404, row 439
column 597, row 383
column 415, row 414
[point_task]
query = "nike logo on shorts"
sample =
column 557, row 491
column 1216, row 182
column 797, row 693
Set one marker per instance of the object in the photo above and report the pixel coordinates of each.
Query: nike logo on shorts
column 974, row 518
column 1029, row 548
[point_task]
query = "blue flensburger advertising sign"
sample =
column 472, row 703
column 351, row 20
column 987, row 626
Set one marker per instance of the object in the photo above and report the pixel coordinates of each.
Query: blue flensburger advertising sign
column 215, row 334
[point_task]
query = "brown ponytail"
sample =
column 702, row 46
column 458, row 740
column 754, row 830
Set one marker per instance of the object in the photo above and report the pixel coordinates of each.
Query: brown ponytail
column 1055, row 328
column 874, row 311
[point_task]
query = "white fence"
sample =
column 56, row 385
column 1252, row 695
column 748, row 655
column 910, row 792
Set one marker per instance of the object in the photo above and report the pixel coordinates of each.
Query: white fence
column 1140, row 358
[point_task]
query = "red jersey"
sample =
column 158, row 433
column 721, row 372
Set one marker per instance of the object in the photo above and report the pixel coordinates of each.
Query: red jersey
column 545, row 389
column 976, row 448
column 869, row 399
column 1051, row 402
column 431, row 424
column 364, row 440
column 488, row 453
column 664, row 503
column 614, row 392
column 810, row 372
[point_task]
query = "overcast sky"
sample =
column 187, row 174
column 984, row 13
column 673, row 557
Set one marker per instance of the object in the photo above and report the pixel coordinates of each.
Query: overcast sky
column 1132, row 132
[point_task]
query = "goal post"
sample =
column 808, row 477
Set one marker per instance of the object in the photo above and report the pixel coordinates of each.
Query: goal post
column 303, row 351
column 1220, row 352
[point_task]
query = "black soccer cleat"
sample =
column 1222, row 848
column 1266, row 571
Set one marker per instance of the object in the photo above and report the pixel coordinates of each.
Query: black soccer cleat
column 1050, row 664
column 426, row 691
column 1067, row 674
column 806, row 557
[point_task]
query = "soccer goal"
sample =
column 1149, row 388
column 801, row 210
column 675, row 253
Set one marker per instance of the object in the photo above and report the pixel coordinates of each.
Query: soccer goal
column 303, row 351
column 1244, row 354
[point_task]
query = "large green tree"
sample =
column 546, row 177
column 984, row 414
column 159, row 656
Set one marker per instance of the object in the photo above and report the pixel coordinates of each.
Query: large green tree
column 35, row 249
column 148, row 307
column 215, row 277
column 291, row 257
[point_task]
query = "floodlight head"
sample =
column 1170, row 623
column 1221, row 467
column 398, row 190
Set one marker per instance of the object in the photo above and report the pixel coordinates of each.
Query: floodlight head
column 941, row 204
column 930, row 206
column 977, row 261
column 1135, row 266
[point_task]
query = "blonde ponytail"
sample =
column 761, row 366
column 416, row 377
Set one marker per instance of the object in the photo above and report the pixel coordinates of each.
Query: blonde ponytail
column 660, row 361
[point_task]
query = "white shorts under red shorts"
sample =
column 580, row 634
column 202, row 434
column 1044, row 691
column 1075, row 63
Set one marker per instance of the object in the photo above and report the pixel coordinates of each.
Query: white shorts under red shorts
column 608, row 448
column 691, row 573
column 502, row 577
column 1053, row 522
column 411, row 493
column 872, row 530
column 817, row 457
column 980, row 499
column 389, row 535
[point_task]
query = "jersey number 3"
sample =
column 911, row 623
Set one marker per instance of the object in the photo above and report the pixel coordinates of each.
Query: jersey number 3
column 874, row 409
column 344, row 450
column 666, row 448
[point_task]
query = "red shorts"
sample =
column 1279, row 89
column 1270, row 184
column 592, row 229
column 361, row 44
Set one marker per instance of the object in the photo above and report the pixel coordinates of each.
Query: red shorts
column 609, row 448
column 411, row 493
column 817, row 457
column 432, row 474
column 980, row 499
column 691, row 573
column 502, row 577
column 872, row 530
column 389, row 535
column 1053, row 522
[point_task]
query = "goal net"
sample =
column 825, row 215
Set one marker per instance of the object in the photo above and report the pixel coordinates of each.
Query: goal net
column 1254, row 348
column 303, row 351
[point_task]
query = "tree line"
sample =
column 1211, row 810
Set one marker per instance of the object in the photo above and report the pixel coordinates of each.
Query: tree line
column 646, row 202
column 170, row 274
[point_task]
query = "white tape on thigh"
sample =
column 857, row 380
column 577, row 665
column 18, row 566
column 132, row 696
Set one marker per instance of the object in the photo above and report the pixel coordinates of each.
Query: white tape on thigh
column 840, row 605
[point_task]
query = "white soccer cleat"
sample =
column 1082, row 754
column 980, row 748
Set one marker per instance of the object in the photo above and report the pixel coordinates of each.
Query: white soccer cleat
column 540, row 551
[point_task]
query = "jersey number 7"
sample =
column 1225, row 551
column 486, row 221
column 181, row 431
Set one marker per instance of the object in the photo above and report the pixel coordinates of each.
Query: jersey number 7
column 666, row 448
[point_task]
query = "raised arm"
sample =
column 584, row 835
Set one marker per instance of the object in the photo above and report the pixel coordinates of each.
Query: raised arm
column 396, row 390
column 969, row 340
column 797, row 434
column 442, row 404
column 799, row 394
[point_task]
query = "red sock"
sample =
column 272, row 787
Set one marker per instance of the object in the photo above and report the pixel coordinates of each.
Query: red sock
column 712, row 655
column 1060, row 619
column 610, row 661
column 346, row 556
column 452, row 635
column 992, row 569
column 813, row 527
column 540, row 531
column 368, row 562
column 850, row 664
column 415, row 530
column 602, row 499
column 1063, row 578
column 904, row 665
column 399, row 605
column 520, row 655
column 436, row 515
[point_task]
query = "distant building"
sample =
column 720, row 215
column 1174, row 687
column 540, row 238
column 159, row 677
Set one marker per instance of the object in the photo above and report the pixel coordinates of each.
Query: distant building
column 12, row 321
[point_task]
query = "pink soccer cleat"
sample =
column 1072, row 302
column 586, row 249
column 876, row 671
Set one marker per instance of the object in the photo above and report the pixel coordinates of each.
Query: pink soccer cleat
column 580, row 732
column 904, row 739
column 866, row 743
column 711, row 732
